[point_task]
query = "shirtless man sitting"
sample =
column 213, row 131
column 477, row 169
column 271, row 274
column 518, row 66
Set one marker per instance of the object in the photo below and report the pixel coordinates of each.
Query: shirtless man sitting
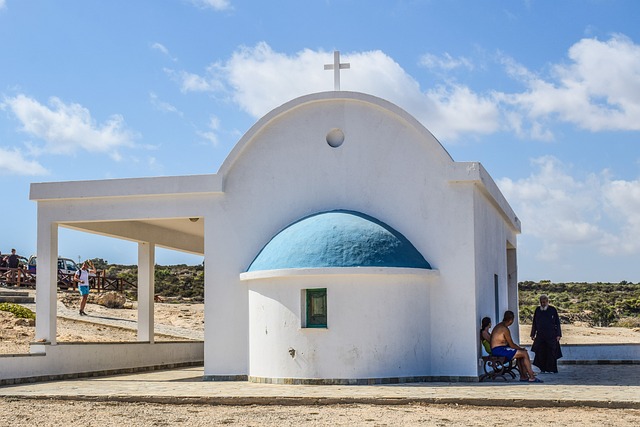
column 502, row 345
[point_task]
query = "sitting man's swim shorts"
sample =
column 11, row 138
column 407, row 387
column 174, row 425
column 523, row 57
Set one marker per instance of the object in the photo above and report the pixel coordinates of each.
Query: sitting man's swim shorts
column 84, row 290
column 504, row 351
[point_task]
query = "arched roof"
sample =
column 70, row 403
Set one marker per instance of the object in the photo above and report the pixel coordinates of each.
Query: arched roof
column 324, row 97
column 338, row 238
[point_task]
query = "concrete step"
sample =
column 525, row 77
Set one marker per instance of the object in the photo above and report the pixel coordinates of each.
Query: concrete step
column 13, row 294
column 17, row 300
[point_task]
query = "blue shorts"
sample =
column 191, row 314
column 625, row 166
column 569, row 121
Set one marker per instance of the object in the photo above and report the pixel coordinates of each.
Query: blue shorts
column 504, row 351
column 84, row 289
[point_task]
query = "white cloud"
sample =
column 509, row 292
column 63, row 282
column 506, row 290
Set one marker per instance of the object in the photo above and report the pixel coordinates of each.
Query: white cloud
column 161, row 48
column 445, row 62
column 597, row 90
column 154, row 165
column 3, row 4
column 65, row 128
column 163, row 106
column 190, row 82
column 212, row 4
column 459, row 110
column 12, row 162
column 259, row 79
column 212, row 134
column 565, row 212
column 622, row 201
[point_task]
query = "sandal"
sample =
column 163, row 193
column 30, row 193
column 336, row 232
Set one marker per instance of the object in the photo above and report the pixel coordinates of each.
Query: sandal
column 536, row 380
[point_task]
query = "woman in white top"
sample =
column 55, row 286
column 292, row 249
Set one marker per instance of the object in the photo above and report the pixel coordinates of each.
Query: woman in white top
column 82, row 277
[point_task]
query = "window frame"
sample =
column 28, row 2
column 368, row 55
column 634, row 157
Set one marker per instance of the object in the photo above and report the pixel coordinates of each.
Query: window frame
column 308, row 315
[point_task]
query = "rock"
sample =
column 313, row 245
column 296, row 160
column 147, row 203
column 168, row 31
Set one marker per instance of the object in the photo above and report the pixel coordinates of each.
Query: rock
column 109, row 299
column 24, row 322
column 69, row 300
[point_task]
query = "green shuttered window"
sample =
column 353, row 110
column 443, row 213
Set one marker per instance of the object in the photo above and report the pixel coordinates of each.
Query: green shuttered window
column 316, row 308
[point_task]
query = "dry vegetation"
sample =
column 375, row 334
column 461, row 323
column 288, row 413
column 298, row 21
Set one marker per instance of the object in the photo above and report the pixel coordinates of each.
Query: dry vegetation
column 593, row 304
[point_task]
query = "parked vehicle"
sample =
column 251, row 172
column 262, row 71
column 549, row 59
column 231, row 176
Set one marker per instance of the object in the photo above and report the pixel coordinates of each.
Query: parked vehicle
column 65, row 265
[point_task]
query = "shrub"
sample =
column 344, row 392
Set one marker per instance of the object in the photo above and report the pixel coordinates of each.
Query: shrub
column 17, row 310
column 594, row 303
column 630, row 306
column 602, row 315
column 526, row 314
column 628, row 322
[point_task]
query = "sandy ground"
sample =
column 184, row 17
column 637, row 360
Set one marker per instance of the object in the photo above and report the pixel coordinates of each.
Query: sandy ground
column 583, row 334
column 16, row 412
column 16, row 334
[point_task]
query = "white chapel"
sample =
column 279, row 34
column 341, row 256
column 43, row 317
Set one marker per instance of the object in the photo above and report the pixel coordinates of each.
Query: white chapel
column 342, row 245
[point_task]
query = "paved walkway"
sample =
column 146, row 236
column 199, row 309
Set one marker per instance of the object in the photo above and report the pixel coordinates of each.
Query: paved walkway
column 600, row 386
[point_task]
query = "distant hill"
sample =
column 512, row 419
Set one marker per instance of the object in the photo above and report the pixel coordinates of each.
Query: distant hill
column 597, row 304
column 180, row 281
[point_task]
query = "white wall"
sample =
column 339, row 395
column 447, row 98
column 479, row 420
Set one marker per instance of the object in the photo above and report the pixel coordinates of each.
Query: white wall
column 388, row 167
column 62, row 359
column 491, row 234
column 375, row 327
column 605, row 353
column 453, row 302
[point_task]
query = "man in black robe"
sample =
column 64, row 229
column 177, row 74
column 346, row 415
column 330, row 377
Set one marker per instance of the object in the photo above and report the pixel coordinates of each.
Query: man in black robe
column 546, row 334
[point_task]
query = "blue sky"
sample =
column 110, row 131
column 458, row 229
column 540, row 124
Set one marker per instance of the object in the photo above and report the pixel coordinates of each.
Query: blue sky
column 546, row 94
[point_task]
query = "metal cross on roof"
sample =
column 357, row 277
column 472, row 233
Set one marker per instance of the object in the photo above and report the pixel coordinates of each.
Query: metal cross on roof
column 336, row 67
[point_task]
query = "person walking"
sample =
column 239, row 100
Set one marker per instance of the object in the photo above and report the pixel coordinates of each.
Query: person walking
column 82, row 278
column 546, row 334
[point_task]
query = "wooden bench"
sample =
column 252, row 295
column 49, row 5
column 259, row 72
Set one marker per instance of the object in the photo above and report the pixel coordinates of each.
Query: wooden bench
column 498, row 366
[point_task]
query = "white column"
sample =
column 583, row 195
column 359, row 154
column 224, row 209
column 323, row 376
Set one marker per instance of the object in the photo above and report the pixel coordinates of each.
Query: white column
column 226, row 317
column 146, row 270
column 46, row 280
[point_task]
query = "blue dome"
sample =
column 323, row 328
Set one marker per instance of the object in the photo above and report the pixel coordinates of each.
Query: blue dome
column 338, row 239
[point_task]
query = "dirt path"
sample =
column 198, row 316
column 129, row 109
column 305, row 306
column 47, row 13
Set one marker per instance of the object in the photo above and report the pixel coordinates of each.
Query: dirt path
column 173, row 322
column 72, row 413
